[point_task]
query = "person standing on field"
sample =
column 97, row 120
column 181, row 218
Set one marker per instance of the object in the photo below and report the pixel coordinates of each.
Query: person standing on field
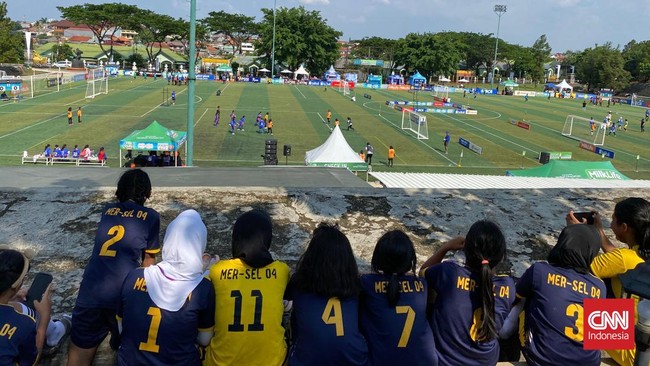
column 391, row 155
column 446, row 142
column 369, row 152
column 70, row 116
column 79, row 115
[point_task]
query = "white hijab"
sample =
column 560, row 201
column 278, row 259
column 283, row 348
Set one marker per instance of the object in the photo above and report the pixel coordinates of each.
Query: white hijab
column 171, row 281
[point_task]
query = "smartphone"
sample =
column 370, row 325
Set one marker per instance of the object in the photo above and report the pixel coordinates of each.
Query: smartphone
column 587, row 215
column 38, row 287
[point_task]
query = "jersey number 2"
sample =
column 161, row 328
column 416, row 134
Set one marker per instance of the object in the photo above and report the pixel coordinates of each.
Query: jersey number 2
column 117, row 233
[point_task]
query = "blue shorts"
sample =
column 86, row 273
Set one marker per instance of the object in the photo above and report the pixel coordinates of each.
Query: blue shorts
column 91, row 325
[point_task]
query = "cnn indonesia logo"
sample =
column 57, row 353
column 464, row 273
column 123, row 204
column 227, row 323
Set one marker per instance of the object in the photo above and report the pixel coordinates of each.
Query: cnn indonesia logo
column 608, row 324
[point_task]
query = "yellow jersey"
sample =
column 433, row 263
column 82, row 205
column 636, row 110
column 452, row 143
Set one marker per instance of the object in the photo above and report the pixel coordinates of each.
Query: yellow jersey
column 248, row 319
column 391, row 153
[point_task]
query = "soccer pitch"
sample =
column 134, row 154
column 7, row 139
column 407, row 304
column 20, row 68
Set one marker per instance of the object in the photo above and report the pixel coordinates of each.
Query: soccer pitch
column 298, row 113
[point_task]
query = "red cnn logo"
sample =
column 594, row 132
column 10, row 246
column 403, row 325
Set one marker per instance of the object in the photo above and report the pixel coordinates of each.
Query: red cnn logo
column 608, row 324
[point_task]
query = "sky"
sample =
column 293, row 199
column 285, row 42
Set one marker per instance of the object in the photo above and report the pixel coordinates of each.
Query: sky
column 568, row 24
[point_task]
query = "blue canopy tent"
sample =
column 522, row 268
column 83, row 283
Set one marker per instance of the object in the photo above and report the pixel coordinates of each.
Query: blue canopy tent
column 417, row 80
column 374, row 81
column 331, row 74
column 395, row 79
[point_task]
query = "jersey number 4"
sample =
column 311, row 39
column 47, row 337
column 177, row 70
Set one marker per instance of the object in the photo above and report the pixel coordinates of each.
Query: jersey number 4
column 237, row 325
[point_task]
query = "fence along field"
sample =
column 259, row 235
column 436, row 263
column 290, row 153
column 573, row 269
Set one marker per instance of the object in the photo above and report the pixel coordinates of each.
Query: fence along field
column 298, row 115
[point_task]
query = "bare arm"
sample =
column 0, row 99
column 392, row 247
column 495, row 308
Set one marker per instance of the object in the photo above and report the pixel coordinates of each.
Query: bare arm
column 605, row 244
column 456, row 243
column 148, row 259
column 44, row 310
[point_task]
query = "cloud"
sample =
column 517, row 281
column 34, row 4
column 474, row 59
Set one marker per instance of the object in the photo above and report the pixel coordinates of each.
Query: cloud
column 385, row 2
column 566, row 3
column 311, row 2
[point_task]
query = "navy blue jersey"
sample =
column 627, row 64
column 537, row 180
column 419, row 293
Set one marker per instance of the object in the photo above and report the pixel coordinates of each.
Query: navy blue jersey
column 17, row 337
column 125, row 231
column 456, row 313
column 154, row 336
column 326, row 331
column 401, row 334
column 553, row 330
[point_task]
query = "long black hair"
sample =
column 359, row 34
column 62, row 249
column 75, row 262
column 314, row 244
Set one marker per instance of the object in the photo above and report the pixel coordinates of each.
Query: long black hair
column 251, row 238
column 485, row 248
column 328, row 268
column 394, row 255
column 635, row 212
column 12, row 263
column 134, row 185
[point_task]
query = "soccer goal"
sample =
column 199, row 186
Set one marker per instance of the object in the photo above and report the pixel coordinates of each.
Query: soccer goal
column 580, row 128
column 97, row 83
column 416, row 123
column 344, row 87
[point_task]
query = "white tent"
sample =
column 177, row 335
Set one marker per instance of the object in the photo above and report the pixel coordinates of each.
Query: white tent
column 563, row 85
column 463, row 80
column 301, row 71
column 264, row 70
column 335, row 153
column 443, row 79
column 286, row 71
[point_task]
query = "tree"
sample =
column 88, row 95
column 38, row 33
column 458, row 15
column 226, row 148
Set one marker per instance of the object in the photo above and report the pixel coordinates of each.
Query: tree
column 302, row 37
column 238, row 28
column 602, row 67
column 635, row 55
column 430, row 54
column 541, row 55
column 12, row 47
column 103, row 19
column 375, row 48
column 182, row 34
column 153, row 30
column 62, row 52
column 478, row 50
column 519, row 59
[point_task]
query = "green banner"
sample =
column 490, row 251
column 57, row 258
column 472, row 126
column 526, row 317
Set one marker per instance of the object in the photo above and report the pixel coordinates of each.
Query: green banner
column 560, row 155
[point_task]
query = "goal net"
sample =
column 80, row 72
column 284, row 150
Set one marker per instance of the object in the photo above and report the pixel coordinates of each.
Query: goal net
column 416, row 123
column 97, row 83
column 584, row 129
column 344, row 87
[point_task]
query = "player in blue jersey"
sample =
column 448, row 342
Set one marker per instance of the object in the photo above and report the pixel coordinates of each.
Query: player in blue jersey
column 325, row 292
column 25, row 333
column 553, row 294
column 469, row 303
column 127, row 237
column 168, row 308
column 393, row 306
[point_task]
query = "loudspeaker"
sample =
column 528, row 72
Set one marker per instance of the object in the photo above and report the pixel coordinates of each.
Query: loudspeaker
column 287, row 150
column 544, row 157
column 271, row 142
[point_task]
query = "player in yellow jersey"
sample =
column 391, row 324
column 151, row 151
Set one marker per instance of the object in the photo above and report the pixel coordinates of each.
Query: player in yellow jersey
column 249, row 293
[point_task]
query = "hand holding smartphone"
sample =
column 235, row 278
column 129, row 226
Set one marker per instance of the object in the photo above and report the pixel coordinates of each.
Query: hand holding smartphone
column 37, row 289
column 588, row 217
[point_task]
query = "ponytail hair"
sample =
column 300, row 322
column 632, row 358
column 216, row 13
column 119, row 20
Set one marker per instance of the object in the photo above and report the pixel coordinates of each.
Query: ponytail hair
column 394, row 256
column 485, row 248
column 635, row 212
column 133, row 185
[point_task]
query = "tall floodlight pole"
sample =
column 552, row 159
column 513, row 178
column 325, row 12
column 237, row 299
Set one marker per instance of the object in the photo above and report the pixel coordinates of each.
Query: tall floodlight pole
column 191, row 80
column 499, row 10
column 273, row 46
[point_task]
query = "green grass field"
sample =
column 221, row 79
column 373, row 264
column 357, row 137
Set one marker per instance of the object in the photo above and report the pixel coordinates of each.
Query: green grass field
column 298, row 114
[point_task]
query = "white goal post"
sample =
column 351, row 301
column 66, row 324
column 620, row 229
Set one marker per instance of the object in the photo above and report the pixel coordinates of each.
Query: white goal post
column 97, row 83
column 416, row 123
column 580, row 128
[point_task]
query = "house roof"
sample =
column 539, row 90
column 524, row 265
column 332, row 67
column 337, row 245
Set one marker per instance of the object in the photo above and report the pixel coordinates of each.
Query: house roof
column 79, row 39
column 63, row 24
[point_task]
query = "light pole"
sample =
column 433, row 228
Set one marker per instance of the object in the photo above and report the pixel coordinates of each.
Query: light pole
column 499, row 10
column 273, row 45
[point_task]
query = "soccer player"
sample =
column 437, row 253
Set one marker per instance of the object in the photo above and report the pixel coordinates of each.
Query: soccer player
column 167, row 308
column 393, row 306
column 79, row 113
column 325, row 292
column 64, row 151
column 249, row 291
column 328, row 116
column 446, row 141
column 232, row 126
column 69, row 114
column 240, row 127
column 631, row 225
column 217, row 116
column 47, row 151
column 391, row 155
column 369, row 152
column 362, row 155
column 174, row 97
column 126, row 235
column 76, row 152
column 469, row 302
column 548, row 306
column 350, row 124
column 269, row 127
